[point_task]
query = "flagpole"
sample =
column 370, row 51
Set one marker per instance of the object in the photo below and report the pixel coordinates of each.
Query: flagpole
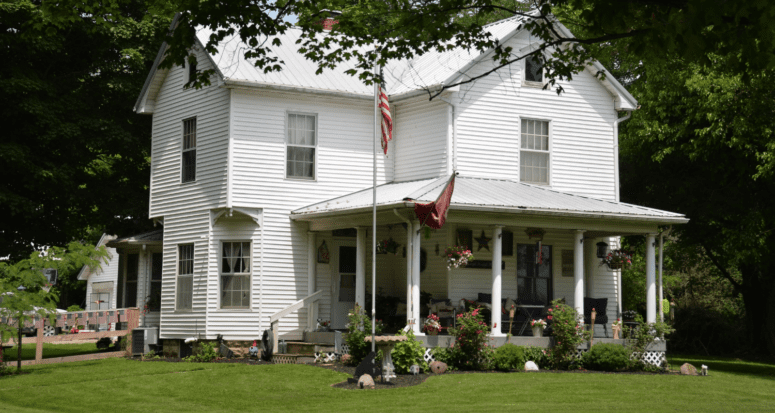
column 374, row 212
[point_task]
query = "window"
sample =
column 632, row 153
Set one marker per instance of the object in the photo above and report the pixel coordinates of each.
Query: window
column 154, row 298
column 534, row 152
column 301, row 142
column 131, row 280
column 235, row 275
column 534, row 275
column 185, row 280
column 188, row 155
column 191, row 73
column 534, row 71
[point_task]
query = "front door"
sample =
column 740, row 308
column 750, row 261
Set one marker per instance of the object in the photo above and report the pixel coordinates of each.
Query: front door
column 534, row 275
column 344, row 287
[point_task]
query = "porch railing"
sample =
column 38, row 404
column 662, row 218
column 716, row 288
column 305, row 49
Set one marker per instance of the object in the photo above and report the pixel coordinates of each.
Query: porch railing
column 274, row 319
column 130, row 316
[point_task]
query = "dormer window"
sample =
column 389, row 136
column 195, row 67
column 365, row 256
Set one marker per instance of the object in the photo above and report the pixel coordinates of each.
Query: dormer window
column 534, row 71
column 301, row 141
column 534, row 152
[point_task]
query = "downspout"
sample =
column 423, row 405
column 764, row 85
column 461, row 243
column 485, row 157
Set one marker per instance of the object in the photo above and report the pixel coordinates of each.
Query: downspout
column 409, row 261
column 452, row 110
column 616, row 151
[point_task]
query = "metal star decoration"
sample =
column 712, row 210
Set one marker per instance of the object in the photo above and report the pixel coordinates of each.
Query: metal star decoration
column 483, row 242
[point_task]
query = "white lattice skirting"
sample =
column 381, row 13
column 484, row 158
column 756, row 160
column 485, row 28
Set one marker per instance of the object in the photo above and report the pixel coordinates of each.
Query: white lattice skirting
column 656, row 358
column 428, row 356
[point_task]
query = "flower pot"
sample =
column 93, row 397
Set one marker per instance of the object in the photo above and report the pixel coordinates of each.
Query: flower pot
column 538, row 331
column 615, row 265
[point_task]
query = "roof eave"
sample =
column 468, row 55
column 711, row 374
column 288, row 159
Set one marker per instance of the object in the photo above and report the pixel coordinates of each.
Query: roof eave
column 235, row 83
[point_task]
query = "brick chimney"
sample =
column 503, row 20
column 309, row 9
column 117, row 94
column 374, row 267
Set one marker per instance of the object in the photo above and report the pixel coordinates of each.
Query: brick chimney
column 329, row 22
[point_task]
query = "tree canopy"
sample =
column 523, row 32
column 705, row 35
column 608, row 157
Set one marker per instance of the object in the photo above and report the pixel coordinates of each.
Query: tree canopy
column 74, row 154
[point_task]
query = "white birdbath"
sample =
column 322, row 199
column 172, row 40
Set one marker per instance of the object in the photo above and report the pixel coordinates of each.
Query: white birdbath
column 386, row 344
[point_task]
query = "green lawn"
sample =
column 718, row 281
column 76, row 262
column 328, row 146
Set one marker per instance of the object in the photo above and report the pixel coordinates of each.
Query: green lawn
column 186, row 387
column 51, row 350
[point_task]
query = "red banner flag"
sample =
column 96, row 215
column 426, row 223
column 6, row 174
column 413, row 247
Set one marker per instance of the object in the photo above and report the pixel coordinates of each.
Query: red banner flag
column 387, row 120
column 434, row 214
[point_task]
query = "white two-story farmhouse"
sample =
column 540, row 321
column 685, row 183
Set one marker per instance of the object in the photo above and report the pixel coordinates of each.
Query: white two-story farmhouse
column 262, row 187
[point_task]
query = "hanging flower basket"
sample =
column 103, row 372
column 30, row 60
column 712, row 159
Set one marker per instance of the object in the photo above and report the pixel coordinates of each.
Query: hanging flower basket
column 535, row 233
column 388, row 246
column 432, row 325
column 617, row 259
column 457, row 256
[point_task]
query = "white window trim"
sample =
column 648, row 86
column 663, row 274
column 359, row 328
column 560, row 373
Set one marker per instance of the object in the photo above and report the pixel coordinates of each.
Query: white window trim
column 550, row 151
column 182, row 150
column 317, row 141
column 178, row 275
column 532, row 83
column 249, row 275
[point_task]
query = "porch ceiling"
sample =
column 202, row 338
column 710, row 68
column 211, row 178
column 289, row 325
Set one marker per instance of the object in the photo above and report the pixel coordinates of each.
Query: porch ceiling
column 490, row 201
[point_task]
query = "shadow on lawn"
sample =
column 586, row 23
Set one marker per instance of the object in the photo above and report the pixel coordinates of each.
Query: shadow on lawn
column 733, row 366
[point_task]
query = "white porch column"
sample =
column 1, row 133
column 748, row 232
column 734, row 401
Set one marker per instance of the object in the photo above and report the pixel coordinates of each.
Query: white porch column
column 409, row 272
column 360, row 268
column 312, row 311
column 578, row 271
column 659, row 287
column 497, row 252
column 416, row 310
column 651, row 288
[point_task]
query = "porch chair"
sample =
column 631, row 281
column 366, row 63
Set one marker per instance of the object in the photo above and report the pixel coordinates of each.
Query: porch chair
column 600, row 305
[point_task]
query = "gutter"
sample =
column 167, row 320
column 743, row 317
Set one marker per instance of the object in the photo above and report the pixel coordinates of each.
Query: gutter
column 239, row 84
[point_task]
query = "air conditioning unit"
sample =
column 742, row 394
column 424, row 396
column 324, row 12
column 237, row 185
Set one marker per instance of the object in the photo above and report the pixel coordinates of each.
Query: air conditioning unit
column 143, row 338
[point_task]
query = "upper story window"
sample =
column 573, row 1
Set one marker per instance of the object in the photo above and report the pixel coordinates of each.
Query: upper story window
column 185, row 278
column 235, row 275
column 534, row 71
column 188, row 154
column 190, row 73
column 301, row 143
column 534, row 152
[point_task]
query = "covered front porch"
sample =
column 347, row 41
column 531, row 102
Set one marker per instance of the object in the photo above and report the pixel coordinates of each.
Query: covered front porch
column 498, row 220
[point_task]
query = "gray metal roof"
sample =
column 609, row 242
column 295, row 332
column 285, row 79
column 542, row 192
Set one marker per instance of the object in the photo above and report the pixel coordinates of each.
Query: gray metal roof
column 480, row 194
column 152, row 237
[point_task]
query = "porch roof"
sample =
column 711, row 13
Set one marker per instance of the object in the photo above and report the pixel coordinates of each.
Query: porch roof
column 148, row 238
column 487, row 195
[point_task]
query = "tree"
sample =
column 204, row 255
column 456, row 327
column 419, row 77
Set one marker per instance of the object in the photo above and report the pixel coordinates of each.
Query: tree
column 689, row 29
column 22, row 285
column 701, row 145
column 75, row 157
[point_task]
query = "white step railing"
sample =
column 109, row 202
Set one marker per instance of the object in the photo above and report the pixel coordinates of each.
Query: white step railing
column 274, row 319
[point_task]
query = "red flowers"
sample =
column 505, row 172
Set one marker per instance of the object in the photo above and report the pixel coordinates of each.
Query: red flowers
column 548, row 317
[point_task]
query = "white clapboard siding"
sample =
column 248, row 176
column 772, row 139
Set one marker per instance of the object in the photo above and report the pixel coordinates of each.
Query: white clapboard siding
column 233, row 324
column 186, row 227
column 210, row 106
column 582, row 122
column 420, row 136
column 108, row 272
column 344, row 149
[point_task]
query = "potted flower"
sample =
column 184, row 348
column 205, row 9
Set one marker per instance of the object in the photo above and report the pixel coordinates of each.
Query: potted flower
column 629, row 315
column 457, row 256
column 538, row 327
column 388, row 246
column 616, row 327
column 617, row 259
column 323, row 325
column 535, row 233
column 432, row 325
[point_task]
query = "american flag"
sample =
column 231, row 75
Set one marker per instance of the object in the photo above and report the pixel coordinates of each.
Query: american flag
column 387, row 120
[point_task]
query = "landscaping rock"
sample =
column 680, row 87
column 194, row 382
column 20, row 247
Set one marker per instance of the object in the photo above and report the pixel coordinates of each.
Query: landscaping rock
column 531, row 366
column 438, row 367
column 688, row 370
column 366, row 382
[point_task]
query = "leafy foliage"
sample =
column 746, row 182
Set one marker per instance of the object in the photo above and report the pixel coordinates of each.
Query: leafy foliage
column 74, row 153
column 204, row 352
column 358, row 328
column 538, row 355
column 470, row 351
column 508, row 357
column 407, row 353
column 568, row 333
column 606, row 357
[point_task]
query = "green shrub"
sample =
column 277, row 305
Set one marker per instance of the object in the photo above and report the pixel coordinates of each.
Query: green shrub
column 508, row 357
column 470, row 351
column 606, row 357
column 354, row 338
column 74, row 308
column 568, row 333
column 407, row 353
column 203, row 353
column 443, row 355
column 537, row 355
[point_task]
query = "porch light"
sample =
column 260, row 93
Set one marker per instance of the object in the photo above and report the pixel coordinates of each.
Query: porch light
column 602, row 249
